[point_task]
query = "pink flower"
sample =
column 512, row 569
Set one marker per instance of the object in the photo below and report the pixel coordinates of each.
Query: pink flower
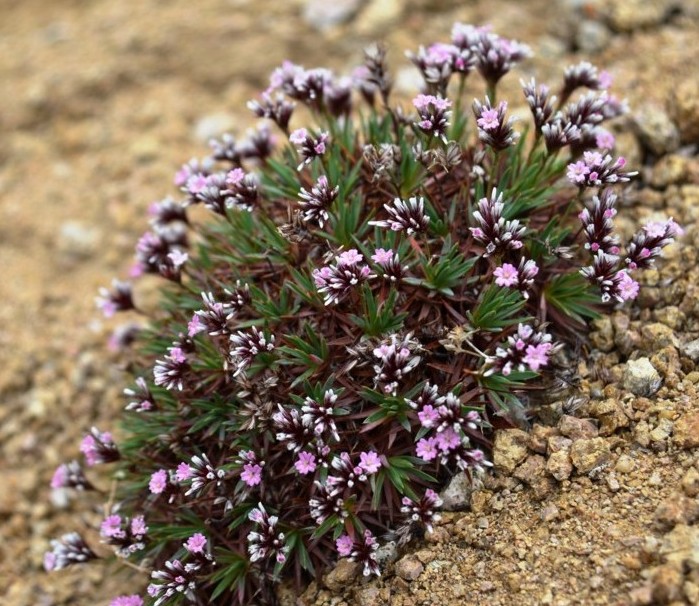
column 349, row 258
column 158, row 482
column 138, row 527
column 489, row 120
column 426, row 449
column 344, row 545
column 448, row 440
column 604, row 139
column 577, row 172
column 177, row 354
column 195, row 326
column 111, row 527
column 299, row 136
column 252, row 474
column 196, row 183
column 627, row 287
column 507, row 275
column 605, row 79
column 369, row 462
column 60, row 477
column 306, row 463
column 127, row 600
column 235, row 176
column 428, row 416
column 196, row 543
column 382, row 256
column 183, row 473
column 537, row 356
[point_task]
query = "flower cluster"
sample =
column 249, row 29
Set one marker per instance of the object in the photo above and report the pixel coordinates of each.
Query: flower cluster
column 371, row 287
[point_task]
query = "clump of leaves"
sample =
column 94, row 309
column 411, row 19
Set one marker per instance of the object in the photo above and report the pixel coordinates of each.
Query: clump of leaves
column 336, row 340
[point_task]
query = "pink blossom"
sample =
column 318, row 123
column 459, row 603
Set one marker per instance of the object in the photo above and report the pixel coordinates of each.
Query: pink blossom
column 196, row 183
column 577, row 172
column 627, row 287
column 428, row 416
column 195, row 326
column 111, row 527
column 448, row 440
column 177, row 355
column 59, row 477
column 252, row 474
column 306, row 463
column 299, row 136
column 196, row 543
column 349, row 258
column 369, row 462
column 605, row 79
column 604, row 139
column 138, row 526
column 426, row 449
column 127, row 600
column 507, row 275
column 537, row 356
column 183, row 473
column 382, row 256
column 344, row 546
column 489, row 120
column 158, row 482
column 235, row 176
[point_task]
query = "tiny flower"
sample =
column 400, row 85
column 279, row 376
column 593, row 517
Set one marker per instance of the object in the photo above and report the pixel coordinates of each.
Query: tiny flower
column 196, row 543
column 184, row 472
column 306, row 463
column 626, row 287
column 506, row 275
column 68, row 550
column 344, row 546
column 604, row 139
column 577, row 172
column 117, row 299
column 369, row 462
column 317, row 202
column 70, row 475
column 251, row 475
column 427, row 449
column 493, row 129
column 127, row 600
column 158, row 482
column 434, row 115
column 537, row 356
column 98, row 447
column 309, row 146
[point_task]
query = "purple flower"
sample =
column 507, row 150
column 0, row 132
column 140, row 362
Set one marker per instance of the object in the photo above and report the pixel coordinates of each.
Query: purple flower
column 426, row 449
column 68, row 550
column 70, row 475
column 183, row 473
column 127, row 600
column 578, row 172
column 251, row 475
column 335, row 282
column 381, row 256
column 434, row 115
column 247, row 345
column 98, row 447
column 344, row 546
column 537, row 356
column 317, row 202
column 428, row 416
column 196, row 543
column 306, row 463
column 489, row 119
column 627, row 288
column 158, row 482
column 604, row 139
column 506, row 275
column 493, row 129
column 369, row 462
column 111, row 527
column 309, row 146
column 194, row 326
column 117, row 299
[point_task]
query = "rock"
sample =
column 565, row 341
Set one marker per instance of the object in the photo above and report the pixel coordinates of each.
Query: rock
column 560, row 465
column 625, row 464
column 691, row 350
column 592, row 36
column 342, row 575
column 556, row 443
column 690, row 482
column 656, row 130
column 656, row 335
column 669, row 170
column 662, row 430
column 379, row 16
column 628, row 15
column 549, row 513
column 322, row 15
column 409, row 568
column 479, row 500
column 677, row 509
column 368, row 596
column 510, row 449
column 590, row 454
column 457, row 495
column 680, row 546
column 610, row 414
column 684, row 108
column 686, row 430
column 666, row 584
column 603, row 336
column 640, row 378
column 577, row 429
column 77, row 239
column 213, row 126
column 388, row 552
column 533, row 473
column 538, row 437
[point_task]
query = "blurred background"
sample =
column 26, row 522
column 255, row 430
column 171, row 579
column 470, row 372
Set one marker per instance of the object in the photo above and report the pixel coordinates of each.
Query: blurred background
column 101, row 101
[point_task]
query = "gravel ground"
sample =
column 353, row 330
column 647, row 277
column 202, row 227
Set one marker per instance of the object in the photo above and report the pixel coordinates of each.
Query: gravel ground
column 101, row 101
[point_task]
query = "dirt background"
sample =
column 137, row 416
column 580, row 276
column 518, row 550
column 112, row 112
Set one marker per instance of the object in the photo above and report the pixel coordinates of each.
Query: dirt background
column 99, row 104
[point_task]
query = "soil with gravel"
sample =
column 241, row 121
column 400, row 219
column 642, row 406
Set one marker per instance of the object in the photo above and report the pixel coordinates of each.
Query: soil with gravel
column 594, row 503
